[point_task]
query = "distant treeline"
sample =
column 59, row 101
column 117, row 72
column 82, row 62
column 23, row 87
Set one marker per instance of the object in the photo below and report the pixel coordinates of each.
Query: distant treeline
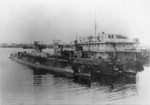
column 22, row 46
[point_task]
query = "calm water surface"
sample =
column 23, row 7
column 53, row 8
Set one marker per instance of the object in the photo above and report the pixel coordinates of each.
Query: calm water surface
column 21, row 85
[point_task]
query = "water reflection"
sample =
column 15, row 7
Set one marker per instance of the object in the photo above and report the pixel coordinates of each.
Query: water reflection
column 39, row 75
column 101, row 89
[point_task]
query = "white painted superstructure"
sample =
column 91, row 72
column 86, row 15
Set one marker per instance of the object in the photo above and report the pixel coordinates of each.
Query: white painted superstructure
column 106, row 45
column 102, row 43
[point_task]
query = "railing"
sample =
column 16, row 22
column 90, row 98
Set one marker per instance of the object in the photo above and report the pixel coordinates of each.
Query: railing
column 136, row 41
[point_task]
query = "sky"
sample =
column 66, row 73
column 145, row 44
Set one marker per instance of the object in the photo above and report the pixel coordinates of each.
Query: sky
column 24, row 21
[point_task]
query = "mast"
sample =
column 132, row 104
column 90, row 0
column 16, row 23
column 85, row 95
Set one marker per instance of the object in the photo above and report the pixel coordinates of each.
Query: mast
column 95, row 24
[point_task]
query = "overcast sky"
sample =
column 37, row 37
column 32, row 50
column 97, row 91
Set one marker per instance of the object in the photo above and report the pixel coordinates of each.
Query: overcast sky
column 23, row 21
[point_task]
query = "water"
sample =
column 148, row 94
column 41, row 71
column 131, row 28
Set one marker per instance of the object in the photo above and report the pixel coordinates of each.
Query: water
column 21, row 85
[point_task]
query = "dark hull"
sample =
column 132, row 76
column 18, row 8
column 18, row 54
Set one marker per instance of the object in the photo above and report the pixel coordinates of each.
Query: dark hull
column 42, row 67
column 80, row 68
column 65, row 71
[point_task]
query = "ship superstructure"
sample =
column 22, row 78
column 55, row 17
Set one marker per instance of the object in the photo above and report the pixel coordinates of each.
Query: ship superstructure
column 107, row 46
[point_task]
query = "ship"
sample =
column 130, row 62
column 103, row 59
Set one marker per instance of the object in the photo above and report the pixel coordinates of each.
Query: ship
column 105, row 54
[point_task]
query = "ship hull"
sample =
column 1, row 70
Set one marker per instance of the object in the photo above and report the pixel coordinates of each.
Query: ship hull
column 77, row 68
column 68, row 70
column 41, row 67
